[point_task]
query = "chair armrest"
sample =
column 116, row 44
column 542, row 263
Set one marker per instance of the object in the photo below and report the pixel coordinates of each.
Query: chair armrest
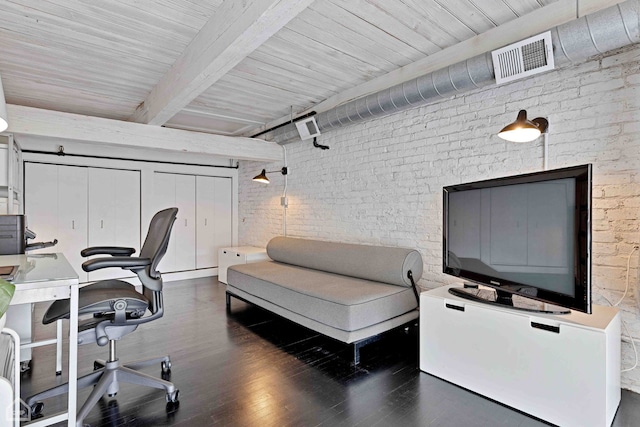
column 107, row 250
column 129, row 263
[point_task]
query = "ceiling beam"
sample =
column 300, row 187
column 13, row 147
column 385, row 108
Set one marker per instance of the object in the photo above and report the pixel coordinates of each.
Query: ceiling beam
column 236, row 29
column 55, row 124
column 536, row 22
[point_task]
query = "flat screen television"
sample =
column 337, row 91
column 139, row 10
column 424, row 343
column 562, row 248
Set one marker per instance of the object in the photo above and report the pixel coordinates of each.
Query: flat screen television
column 526, row 235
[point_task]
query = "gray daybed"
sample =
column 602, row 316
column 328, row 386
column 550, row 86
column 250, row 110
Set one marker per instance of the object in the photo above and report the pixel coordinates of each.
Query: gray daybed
column 348, row 292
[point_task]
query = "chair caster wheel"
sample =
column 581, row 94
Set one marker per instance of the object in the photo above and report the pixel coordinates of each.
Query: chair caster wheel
column 25, row 366
column 172, row 401
column 166, row 367
column 173, row 397
column 97, row 366
column 36, row 410
column 112, row 394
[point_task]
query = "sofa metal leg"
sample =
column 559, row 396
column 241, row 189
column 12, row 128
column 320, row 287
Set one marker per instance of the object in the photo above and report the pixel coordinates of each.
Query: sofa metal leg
column 359, row 344
column 228, row 299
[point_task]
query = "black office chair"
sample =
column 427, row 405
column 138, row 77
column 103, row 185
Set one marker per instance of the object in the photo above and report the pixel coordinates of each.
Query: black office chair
column 116, row 309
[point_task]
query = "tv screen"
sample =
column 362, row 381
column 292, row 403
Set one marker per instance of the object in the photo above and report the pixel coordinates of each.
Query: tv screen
column 528, row 235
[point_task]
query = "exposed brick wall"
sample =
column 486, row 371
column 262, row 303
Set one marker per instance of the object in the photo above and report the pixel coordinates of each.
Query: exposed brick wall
column 381, row 181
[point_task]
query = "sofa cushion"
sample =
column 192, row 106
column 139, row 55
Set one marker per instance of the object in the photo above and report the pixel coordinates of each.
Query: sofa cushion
column 378, row 263
column 342, row 302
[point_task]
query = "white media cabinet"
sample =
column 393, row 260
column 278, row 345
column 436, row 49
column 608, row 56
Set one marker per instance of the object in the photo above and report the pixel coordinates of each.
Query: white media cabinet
column 564, row 369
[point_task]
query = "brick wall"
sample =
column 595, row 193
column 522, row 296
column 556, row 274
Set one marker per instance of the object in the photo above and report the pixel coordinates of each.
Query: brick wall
column 381, row 181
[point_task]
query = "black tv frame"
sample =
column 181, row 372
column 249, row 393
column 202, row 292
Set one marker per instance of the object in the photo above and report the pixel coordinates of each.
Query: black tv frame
column 582, row 244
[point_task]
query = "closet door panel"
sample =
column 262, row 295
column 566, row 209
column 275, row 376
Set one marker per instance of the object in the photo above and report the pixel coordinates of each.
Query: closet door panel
column 41, row 201
column 72, row 215
column 56, row 208
column 221, row 216
column 127, row 224
column 102, row 193
column 164, row 196
column 114, row 214
column 185, row 226
column 205, row 233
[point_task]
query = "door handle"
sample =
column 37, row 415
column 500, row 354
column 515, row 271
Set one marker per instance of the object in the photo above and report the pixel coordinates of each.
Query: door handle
column 101, row 223
column 73, row 224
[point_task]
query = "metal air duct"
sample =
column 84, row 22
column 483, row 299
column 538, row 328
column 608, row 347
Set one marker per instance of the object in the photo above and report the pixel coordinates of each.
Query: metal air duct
column 575, row 41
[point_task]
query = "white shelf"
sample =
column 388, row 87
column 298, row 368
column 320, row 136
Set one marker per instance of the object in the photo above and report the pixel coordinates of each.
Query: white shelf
column 564, row 369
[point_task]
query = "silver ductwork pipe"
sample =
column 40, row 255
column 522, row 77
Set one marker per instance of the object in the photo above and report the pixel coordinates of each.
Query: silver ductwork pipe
column 575, row 41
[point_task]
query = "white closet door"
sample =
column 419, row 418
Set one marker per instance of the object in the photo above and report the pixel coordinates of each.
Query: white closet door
column 185, row 225
column 205, row 197
column 222, row 215
column 41, row 201
column 72, row 215
column 164, row 196
column 114, row 214
column 174, row 190
column 214, row 219
column 56, row 208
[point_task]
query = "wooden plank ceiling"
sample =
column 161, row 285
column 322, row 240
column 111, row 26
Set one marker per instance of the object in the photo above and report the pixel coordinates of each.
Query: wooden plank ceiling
column 104, row 58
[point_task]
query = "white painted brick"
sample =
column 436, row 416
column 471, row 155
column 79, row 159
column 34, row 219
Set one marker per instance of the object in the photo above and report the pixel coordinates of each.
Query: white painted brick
column 381, row 181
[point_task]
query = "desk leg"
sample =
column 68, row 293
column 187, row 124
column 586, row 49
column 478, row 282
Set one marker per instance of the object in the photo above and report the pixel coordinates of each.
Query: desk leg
column 59, row 347
column 73, row 356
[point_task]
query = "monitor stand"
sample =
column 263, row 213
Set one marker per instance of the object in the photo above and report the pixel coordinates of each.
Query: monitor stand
column 506, row 299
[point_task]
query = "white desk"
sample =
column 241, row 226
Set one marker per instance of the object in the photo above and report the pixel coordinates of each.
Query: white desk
column 46, row 277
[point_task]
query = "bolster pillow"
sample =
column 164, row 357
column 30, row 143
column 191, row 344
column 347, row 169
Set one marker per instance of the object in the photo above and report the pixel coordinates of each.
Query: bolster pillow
column 378, row 263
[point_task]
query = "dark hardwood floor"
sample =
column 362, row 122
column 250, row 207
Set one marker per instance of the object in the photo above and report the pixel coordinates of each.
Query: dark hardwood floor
column 251, row 368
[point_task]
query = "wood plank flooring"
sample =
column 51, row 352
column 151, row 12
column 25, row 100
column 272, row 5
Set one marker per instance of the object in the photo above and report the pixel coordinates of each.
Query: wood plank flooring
column 251, row 368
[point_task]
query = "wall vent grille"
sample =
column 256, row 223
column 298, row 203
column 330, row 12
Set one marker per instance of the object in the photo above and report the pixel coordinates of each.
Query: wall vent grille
column 525, row 58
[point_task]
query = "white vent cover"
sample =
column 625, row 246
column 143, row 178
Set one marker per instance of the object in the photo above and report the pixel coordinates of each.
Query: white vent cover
column 525, row 58
column 308, row 128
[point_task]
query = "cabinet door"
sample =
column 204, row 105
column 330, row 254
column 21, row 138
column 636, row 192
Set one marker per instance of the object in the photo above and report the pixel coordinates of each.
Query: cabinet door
column 214, row 219
column 114, row 214
column 164, row 196
column 180, row 191
column 72, row 215
column 41, row 201
column 56, row 208
column 185, row 225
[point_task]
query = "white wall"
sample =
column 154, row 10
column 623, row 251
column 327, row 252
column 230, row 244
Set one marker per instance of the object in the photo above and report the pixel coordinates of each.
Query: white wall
column 381, row 181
